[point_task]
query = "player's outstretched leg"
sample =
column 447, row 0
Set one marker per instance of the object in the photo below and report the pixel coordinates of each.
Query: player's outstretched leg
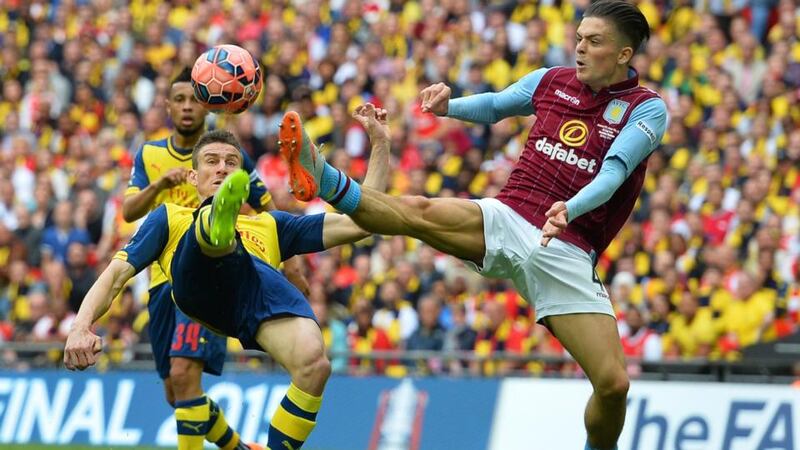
column 215, row 230
column 454, row 226
column 309, row 175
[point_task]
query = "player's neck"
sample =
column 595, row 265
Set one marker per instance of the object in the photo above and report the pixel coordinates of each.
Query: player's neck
column 619, row 75
column 186, row 141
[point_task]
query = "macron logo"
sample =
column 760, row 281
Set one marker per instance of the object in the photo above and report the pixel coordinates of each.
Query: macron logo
column 565, row 154
column 564, row 96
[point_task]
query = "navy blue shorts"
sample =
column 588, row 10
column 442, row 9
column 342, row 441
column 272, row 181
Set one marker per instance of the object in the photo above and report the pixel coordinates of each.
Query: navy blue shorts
column 172, row 333
column 233, row 294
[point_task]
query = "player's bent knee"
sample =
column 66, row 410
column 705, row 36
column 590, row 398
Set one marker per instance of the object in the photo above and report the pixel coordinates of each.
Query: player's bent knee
column 614, row 387
column 313, row 372
column 184, row 374
column 169, row 394
column 318, row 368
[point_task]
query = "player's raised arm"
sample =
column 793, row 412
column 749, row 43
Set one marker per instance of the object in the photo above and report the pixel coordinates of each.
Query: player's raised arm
column 489, row 107
column 340, row 229
column 83, row 345
column 375, row 122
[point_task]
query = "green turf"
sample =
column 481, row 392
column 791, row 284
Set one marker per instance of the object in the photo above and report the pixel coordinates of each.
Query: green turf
column 80, row 447
column 75, row 447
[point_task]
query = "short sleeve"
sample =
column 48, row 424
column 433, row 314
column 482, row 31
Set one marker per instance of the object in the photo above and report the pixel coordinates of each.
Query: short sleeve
column 149, row 241
column 139, row 179
column 298, row 234
column 641, row 134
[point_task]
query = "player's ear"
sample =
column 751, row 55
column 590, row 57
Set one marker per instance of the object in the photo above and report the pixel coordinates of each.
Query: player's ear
column 191, row 177
column 625, row 55
column 166, row 107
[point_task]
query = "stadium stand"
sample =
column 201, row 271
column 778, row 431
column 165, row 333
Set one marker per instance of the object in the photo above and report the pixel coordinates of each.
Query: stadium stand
column 706, row 266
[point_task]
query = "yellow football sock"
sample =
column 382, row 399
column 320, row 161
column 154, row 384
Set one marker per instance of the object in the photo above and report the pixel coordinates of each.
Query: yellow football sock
column 220, row 432
column 294, row 419
column 201, row 229
column 192, row 418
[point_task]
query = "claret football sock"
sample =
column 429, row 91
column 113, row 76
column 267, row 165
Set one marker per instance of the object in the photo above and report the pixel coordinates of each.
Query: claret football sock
column 341, row 191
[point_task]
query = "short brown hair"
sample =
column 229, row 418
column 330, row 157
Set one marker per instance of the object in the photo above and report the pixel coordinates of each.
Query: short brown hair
column 627, row 18
column 211, row 137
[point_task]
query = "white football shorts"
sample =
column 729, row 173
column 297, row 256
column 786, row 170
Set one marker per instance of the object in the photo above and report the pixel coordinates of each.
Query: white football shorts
column 557, row 279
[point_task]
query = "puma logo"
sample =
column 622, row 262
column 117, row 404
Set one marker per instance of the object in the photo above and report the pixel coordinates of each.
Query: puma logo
column 194, row 427
column 287, row 445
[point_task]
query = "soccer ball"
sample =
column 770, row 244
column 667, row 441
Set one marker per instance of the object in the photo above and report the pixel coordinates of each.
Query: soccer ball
column 226, row 78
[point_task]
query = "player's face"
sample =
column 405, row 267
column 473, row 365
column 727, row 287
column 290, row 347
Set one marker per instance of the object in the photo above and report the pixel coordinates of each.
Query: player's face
column 216, row 161
column 186, row 112
column 601, row 54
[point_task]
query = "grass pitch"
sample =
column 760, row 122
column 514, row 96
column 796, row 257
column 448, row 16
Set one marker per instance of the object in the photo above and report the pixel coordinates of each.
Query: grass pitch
column 74, row 447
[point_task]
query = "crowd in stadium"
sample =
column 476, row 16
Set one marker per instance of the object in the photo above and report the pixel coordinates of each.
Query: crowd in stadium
column 707, row 264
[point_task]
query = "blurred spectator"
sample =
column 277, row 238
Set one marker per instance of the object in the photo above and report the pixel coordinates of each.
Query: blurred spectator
column 426, row 270
column 691, row 330
column 55, row 324
column 81, row 276
column 460, row 337
column 35, row 310
column 363, row 337
column 499, row 334
column 622, row 287
column 720, row 197
column 747, row 317
column 747, row 69
column 660, row 309
column 396, row 316
column 638, row 341
column 30, row 235
column 64, row 231
column 429, row 336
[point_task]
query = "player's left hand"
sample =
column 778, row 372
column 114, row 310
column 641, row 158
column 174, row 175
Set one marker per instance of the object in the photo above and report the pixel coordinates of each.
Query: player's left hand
column 556, row 222
column 373, row 120
column 81, row 349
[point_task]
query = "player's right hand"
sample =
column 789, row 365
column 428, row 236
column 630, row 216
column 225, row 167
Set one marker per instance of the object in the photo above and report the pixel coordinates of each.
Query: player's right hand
column 81, row 349
column 173, row 178
column 556, row 222
column 436, row 99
